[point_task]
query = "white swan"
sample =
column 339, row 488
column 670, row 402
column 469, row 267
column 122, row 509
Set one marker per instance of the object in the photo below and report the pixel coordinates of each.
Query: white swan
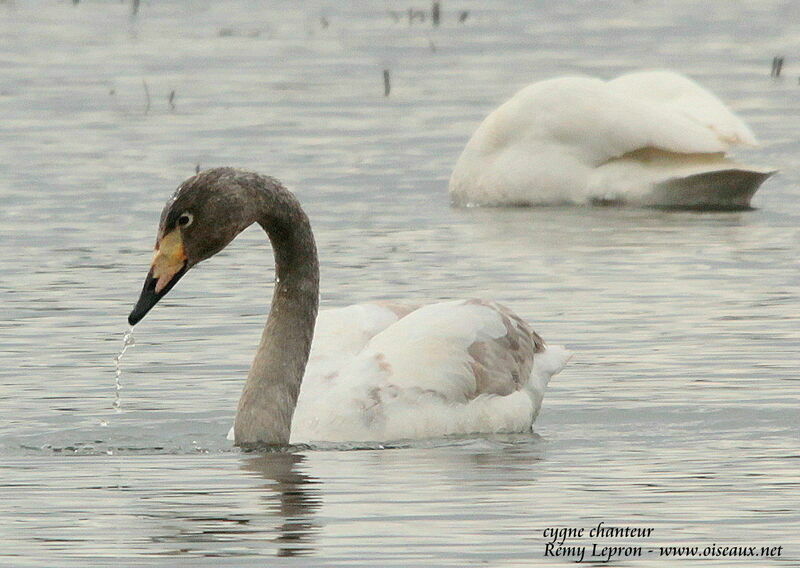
column 376, row 372
column 653, row 138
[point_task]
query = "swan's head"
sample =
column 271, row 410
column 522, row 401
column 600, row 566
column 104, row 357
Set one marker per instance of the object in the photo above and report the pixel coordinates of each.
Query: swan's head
column 201, row 218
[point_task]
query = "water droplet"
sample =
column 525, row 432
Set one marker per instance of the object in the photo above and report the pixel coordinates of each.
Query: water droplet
column 127, row 341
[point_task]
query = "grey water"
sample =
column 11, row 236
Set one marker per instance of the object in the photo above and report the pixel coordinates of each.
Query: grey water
column 678, row 412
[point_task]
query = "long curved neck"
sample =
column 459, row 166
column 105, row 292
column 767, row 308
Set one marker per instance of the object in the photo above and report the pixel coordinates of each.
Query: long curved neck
column 264, row 416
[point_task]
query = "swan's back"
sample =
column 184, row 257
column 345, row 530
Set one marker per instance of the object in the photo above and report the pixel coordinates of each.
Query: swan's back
column 447, row 368
column 342, row 333
column 686, row 97
column 546, row 144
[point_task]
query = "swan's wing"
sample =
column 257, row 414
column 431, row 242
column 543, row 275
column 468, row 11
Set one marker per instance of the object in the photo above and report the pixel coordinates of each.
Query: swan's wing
column 341, row 333
column 682, row 95
column 450, row 367
column 459, row 350
column 591, row 120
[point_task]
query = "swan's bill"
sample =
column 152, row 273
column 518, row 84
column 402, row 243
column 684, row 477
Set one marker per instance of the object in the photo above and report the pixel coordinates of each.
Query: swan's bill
column 168, row 259
column 168, row 266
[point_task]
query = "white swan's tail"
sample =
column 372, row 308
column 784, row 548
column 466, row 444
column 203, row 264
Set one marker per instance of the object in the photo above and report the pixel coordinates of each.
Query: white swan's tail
column 655, row 178
column 720, row 189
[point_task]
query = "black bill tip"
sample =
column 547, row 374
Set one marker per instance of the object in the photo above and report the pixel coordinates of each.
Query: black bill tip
column 149, row 297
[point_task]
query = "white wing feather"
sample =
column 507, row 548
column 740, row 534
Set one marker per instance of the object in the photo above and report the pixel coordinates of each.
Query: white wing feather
column 341, row 333
column 684, row 96
column 597, row 122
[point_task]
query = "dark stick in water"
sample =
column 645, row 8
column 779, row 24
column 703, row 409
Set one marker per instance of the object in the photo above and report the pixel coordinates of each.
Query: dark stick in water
column 146, row 96
column 777, row 65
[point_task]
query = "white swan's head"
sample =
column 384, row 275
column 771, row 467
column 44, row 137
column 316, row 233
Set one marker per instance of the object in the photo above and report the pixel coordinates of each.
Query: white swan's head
column 201, row 218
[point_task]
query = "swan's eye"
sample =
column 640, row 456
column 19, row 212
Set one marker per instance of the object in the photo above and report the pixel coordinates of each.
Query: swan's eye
column 185, row 219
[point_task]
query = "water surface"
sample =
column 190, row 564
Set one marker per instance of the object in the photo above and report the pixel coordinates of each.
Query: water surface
column 678, row 412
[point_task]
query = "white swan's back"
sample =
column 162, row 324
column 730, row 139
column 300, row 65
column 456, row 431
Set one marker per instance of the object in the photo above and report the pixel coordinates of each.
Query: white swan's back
column 682, row 95
column 580, row 140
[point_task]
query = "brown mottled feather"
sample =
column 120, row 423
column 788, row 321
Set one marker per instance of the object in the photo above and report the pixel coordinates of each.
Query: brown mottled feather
column 502, row 366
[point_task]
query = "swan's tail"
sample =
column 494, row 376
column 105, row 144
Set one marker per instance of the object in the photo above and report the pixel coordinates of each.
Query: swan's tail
column 551, row 361
column 545, row 364
column 655, row 178
column 726, row 189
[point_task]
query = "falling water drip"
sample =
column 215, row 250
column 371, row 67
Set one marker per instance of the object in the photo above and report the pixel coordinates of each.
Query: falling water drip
column 127, row 341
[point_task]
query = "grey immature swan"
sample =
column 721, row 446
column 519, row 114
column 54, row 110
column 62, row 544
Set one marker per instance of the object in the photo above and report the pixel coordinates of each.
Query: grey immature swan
column 375, row 371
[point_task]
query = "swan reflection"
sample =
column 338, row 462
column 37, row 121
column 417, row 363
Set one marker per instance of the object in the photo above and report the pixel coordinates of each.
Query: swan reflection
column 290, row 495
